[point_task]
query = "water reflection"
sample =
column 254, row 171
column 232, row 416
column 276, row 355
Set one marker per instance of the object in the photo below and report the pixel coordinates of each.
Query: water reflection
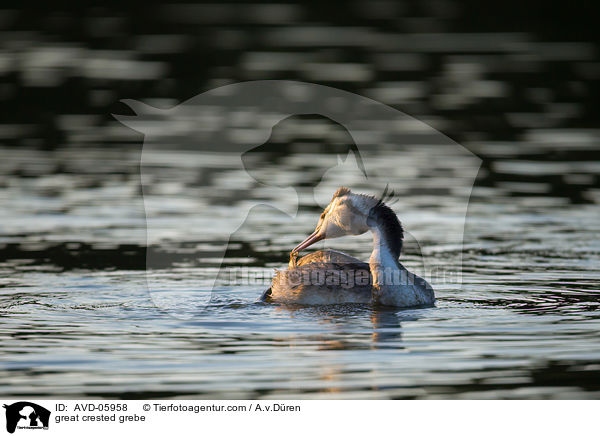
column 347, row 328
column 387, row 331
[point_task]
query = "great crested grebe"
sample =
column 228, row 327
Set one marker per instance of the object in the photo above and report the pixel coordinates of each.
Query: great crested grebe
column 331, row 277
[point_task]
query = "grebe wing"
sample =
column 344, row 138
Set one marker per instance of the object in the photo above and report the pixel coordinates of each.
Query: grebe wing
column 331, row 256
column 322, row 277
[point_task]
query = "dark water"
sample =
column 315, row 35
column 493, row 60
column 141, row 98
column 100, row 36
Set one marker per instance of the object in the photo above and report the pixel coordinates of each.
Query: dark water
column 78, row 319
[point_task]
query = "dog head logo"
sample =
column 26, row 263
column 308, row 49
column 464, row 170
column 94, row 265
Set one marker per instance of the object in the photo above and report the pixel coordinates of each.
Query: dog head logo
column 207, row 157
column 26, row 415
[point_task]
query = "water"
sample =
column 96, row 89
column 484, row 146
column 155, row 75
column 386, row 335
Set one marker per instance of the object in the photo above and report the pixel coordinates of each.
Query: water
column 77, row 317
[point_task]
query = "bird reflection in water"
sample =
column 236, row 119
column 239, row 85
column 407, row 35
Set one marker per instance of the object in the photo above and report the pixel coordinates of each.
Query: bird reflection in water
column 347, row 329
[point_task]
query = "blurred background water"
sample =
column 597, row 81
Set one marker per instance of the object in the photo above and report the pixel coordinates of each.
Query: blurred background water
column 515, row 83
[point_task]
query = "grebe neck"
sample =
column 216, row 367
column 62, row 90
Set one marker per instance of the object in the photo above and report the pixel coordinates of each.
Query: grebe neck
column 387, row 244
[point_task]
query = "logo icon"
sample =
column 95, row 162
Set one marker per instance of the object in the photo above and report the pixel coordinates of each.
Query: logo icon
column 259, row 133
column 26, row 415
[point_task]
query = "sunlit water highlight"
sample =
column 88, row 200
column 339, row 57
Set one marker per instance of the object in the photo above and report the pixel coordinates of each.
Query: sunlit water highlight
column 78, row 320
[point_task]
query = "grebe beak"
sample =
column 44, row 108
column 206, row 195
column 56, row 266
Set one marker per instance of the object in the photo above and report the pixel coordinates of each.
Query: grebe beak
column 308, row 242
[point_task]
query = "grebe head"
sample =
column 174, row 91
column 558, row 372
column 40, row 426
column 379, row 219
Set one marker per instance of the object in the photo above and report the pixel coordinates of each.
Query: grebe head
column 347, row 214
